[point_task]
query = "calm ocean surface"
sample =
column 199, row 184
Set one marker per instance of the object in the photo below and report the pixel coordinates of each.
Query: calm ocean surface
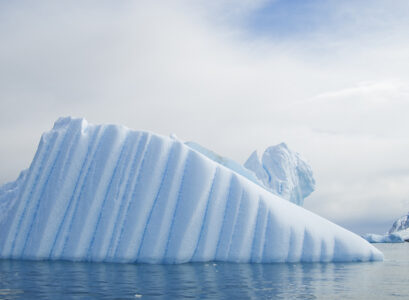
column 67, row 280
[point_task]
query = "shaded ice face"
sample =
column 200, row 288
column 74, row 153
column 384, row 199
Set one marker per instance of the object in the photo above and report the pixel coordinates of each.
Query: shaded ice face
column 400, row 224
column 283, row 172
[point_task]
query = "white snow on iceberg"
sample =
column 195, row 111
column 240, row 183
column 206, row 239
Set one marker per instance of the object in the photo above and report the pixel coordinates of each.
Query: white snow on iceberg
column 283, row 172
column 107, row 193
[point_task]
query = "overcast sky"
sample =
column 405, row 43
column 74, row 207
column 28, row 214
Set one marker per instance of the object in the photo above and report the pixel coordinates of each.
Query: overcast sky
column 329, row 78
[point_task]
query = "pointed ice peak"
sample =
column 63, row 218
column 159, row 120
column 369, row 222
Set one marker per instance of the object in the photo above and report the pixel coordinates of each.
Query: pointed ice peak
column 284, row 172
column 400, row 224
column 281, row 145
column 253, row 157
column 68, row 121
column 61, row 122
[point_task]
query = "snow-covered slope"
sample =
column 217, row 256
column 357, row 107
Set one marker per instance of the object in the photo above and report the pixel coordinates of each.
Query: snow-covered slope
column 398, row 233
column 107, row 193
column 283, row 172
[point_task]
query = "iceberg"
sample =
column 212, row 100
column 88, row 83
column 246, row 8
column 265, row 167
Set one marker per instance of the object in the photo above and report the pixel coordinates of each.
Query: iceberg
column 283, row 172
column 400, row 225
column 399, row 233
column 387, row 238
column 108, row 193
column 227, row 162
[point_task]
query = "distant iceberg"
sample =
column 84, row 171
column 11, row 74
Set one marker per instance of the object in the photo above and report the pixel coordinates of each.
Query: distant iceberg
column 387, row 238
column 283, row 172
column 107, row 193
column 399, row 233
column 400, row 225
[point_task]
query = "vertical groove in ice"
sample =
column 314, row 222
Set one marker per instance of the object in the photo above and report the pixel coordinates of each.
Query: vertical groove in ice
column 29, row 200
column 148, row 182
column 58, row 210
column 114, row 173
column 260, row 232
column 51, row 211
column 46, row 224
column 9, row 234
column 137, row 161
column 207, row 244
column 77, row 203
column 232, row 207
column 266, row 253
column 257, row 226
column 177, row 204
column 189, row 215
column 165, row 173
column 157, row 229
column 234, row 224
column 206, row 211
column 104, row 233
column 219, row 238
column 245, row 222
column 60, row 236
column 67, row 135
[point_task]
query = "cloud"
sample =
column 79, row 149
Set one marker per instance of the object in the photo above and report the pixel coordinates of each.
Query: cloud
column 337, row 93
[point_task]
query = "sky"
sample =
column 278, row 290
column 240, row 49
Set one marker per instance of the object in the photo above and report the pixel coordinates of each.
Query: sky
column 329, row 78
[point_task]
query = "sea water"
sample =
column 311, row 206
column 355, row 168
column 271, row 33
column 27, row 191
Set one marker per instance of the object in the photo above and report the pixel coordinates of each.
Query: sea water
column 214, row 280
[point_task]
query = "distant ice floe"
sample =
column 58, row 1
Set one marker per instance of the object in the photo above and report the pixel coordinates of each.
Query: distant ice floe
column 399, row 233
column 108, row 193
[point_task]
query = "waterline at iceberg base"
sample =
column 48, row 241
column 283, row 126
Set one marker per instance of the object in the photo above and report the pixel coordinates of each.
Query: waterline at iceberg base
column 107, row 193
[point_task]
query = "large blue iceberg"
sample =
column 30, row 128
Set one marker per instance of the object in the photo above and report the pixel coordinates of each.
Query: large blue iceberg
column 107, row 193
